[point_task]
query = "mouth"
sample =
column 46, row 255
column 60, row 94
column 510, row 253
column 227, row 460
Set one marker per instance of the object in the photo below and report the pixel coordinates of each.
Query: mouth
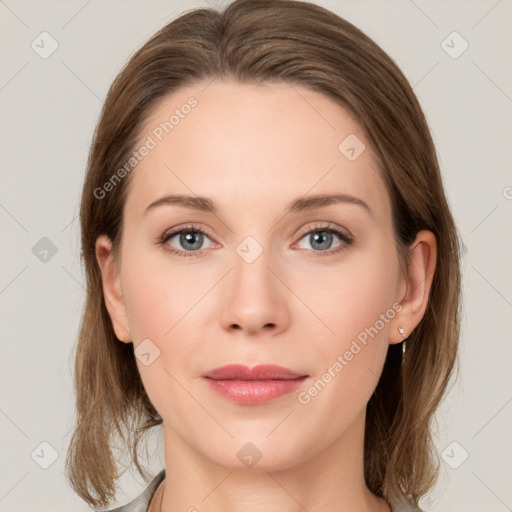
column 257, row 385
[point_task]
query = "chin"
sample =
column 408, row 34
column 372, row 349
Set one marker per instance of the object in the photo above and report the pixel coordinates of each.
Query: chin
column 255, row 453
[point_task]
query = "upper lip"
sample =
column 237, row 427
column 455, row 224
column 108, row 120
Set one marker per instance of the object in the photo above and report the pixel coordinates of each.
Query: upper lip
column 259, row 372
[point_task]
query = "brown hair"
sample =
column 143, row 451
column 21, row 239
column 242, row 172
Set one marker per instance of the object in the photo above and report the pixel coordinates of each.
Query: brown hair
column 260, row 41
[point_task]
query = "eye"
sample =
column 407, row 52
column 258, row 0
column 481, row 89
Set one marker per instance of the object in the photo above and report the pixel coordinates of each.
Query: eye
column 189, row 237
column 321, row 238
column 191, row 240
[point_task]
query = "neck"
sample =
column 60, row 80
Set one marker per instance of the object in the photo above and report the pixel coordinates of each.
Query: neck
column 330, row 480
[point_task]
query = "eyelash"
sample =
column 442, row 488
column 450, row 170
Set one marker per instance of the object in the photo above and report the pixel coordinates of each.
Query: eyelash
column 345, row 237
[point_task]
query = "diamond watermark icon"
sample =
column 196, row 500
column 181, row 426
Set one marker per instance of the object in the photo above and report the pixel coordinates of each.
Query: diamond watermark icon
column 454, row 455
column 147, row 352
column 249, row 249
column 454, row 45
column 249, row 455
column 44, row 455
column 44, row 250
column 44, row 45
column 351, row 147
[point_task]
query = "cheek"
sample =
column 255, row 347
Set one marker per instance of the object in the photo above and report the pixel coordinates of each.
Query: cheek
column 348, row 363
column 165, row 303
column 360, row 291
column 163, row 306
column 158, row 294
column 358, row 306
column 146, row 298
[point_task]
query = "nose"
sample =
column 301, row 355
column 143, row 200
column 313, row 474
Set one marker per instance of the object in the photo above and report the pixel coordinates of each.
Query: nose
column 255, row 299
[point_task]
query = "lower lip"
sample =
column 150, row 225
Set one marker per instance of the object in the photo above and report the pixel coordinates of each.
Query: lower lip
column 254, row 391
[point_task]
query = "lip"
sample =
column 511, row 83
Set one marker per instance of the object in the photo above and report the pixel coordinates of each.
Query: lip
column 259, row 372
column 257, row 385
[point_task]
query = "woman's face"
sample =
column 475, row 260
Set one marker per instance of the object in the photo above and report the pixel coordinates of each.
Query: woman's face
column 264, row 285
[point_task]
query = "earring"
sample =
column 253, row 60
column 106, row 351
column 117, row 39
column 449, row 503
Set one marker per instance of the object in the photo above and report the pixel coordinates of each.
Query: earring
column 401, row 330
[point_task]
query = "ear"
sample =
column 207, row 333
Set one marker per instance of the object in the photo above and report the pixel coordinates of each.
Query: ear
column 420, row 273
column 112, row 292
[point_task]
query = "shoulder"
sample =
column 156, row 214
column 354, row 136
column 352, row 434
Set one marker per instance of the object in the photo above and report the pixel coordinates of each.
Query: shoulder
column 404, row 506
column 141, row 502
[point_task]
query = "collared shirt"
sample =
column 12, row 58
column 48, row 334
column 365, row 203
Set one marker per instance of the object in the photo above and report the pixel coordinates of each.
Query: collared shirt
column 141, row 502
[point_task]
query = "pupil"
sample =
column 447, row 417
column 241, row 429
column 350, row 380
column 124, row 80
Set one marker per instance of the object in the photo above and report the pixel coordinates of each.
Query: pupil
column 318, row 237
column 187, row 238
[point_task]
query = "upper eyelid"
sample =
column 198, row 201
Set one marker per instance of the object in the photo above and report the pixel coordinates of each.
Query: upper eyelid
column 176, row 231
column 325, row 225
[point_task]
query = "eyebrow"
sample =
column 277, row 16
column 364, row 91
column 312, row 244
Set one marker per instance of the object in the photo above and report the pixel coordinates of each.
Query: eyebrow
column 300, row 204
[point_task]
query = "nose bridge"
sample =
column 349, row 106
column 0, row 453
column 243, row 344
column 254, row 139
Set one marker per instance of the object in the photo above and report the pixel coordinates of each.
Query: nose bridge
column 255, row 298
column 251, row 265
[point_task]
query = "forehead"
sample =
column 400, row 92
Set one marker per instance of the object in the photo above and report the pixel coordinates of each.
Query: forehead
column 252, row 144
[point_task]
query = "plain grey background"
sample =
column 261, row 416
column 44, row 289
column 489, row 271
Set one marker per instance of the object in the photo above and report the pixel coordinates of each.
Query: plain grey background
column 49, row 107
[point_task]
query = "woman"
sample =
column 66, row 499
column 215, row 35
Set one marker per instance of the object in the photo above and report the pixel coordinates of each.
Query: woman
column 272, row 270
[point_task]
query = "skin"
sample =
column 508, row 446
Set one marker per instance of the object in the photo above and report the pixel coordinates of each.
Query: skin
column 252, row 149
